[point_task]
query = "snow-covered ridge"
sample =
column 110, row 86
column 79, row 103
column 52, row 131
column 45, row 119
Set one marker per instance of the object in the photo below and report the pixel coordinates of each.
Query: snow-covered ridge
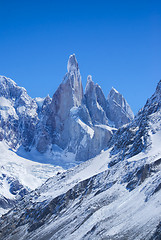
column 72, row 63
column 95, row 199
column 39, row 101
column 117, row 106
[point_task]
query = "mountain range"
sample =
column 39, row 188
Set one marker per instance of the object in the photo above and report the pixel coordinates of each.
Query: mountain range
column 72, row 121
column 99, row 166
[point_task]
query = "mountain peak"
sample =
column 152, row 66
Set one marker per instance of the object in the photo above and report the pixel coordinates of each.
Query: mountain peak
column 89, row 83
column 89, row 79
column 119, row 110
column 7, row 81
column 113, row 92
column 158, row 89
column 114, row 89
column 72, row 63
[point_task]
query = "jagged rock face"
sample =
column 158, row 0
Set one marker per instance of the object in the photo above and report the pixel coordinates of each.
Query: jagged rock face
column 153, row 104
column 11, row 191
column 18, row 114
column 44, row 130
column 115, row 108
column 73, row 117
column 101, row 136
column 95, row 102
column 69, row 94
column 118, row 110
column 75, row 122
column 135, row 137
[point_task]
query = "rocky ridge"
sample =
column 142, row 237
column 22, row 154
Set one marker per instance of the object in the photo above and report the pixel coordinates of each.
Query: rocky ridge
column 72, row 121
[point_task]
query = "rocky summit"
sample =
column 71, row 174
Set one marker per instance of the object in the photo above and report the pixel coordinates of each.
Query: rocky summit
column 72, row 121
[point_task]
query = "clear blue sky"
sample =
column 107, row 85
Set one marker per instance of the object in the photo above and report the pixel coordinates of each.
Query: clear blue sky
column 117, row 42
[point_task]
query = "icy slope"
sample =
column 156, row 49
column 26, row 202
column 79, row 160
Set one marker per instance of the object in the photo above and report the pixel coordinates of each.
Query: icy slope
column 94, row 200
column 19, row 175
column 90, row 202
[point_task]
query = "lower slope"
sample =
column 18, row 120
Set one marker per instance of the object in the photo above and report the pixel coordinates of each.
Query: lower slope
column 19, row 175
column 93, row 201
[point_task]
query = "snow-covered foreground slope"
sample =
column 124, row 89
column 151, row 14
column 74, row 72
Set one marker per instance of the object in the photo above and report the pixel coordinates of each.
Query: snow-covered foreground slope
column 19, row 175
column 94, row 201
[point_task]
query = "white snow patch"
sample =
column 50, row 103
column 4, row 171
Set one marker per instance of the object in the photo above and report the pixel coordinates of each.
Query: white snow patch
column 30, row 174
column 6, row 109
column 74, row 110
column 86, row 128
column 110, row 129
column 39, row 101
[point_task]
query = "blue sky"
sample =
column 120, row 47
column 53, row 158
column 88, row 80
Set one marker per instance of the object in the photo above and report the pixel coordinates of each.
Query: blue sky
column 117, row 42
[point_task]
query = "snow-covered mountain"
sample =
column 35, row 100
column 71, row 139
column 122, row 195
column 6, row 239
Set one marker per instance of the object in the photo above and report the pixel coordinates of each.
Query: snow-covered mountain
column 18, row 115
column 64, row 130
column 118, row 110
column 76, row 122
column 115, row 195
column 71, row 121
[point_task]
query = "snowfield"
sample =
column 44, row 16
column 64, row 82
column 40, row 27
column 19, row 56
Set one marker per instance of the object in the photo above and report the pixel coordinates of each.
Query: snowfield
column 94, row 201
column 28, row 173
